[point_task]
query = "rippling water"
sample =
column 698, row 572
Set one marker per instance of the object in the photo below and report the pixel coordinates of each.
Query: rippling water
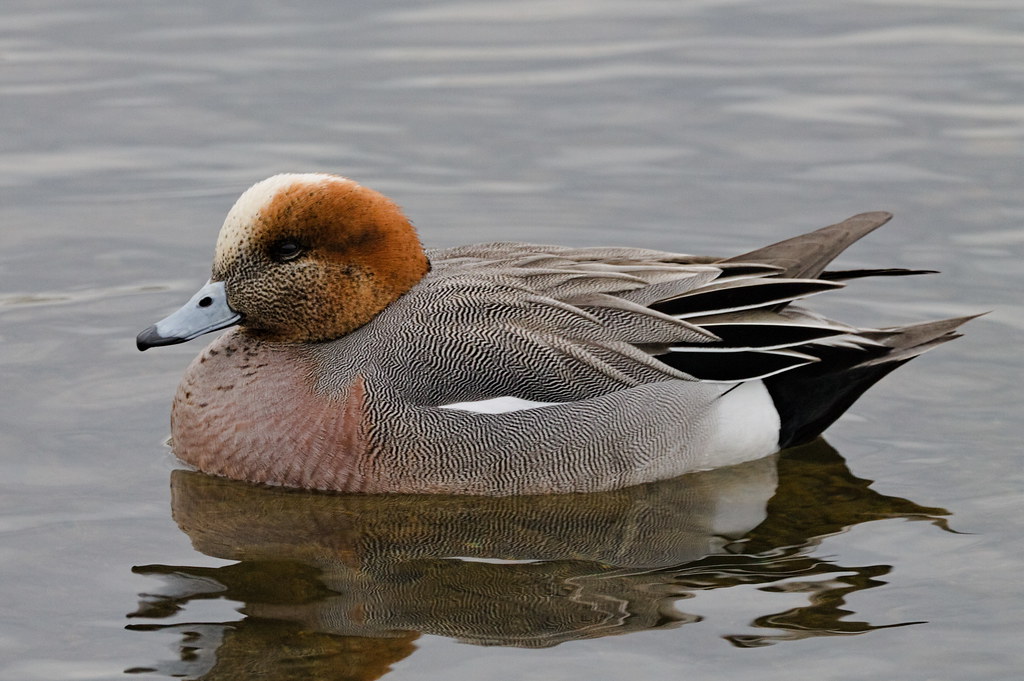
column 713, row 126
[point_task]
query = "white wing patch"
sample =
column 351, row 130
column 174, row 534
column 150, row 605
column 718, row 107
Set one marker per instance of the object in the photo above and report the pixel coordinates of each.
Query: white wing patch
column 497, row 405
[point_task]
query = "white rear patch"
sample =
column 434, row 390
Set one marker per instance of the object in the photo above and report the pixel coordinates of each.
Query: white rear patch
column 747, row 425
column 497, row 405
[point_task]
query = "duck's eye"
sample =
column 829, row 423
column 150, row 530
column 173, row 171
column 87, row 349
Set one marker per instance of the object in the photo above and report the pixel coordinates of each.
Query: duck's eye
column 286, row 250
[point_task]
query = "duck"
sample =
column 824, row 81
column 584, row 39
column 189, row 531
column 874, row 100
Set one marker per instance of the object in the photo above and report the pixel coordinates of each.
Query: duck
column 357, row 361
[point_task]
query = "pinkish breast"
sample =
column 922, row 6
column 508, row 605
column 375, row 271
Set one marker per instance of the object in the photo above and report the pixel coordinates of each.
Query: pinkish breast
column 247, row 410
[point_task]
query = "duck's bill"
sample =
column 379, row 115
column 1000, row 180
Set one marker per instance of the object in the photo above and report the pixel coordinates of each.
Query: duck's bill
column 206, row 311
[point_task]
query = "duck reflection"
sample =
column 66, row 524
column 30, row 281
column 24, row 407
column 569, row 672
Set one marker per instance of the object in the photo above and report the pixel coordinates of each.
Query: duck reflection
column 339, row 586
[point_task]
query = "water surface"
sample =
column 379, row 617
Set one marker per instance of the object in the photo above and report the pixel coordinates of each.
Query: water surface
column 128, row 129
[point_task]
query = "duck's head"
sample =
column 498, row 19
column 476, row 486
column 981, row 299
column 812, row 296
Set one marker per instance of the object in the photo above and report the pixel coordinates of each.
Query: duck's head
column 301, row 258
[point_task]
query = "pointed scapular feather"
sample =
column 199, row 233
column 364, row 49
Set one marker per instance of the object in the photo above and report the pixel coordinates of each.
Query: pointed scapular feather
column 691, row 278
column 788, row 315
column 641, row 325
column 566, row 283
column 741, row 295
column 759, row 335
column 735, row 366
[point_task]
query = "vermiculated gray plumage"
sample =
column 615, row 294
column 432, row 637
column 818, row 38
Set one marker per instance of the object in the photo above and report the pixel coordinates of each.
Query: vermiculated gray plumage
column 649, row 339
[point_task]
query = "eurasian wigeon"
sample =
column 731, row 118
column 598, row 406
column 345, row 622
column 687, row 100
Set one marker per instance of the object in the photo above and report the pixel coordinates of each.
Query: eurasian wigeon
column 361, row 363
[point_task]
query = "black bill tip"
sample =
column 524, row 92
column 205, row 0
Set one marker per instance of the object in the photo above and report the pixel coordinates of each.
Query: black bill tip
column 151, row 338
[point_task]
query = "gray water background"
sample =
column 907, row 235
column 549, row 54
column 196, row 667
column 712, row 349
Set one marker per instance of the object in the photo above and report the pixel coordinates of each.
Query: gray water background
column 127, row 129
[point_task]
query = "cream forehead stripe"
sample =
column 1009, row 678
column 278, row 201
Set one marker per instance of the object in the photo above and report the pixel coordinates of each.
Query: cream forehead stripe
column 236, row 232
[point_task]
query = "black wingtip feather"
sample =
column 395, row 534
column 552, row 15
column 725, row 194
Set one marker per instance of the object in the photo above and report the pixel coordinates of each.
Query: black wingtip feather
column 846, row 275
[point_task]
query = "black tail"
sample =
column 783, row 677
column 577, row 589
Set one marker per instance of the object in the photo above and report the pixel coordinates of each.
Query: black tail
column 811, row 397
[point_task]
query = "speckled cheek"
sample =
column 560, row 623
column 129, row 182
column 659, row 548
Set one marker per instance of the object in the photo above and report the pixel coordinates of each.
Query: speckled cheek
column 247, row 410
